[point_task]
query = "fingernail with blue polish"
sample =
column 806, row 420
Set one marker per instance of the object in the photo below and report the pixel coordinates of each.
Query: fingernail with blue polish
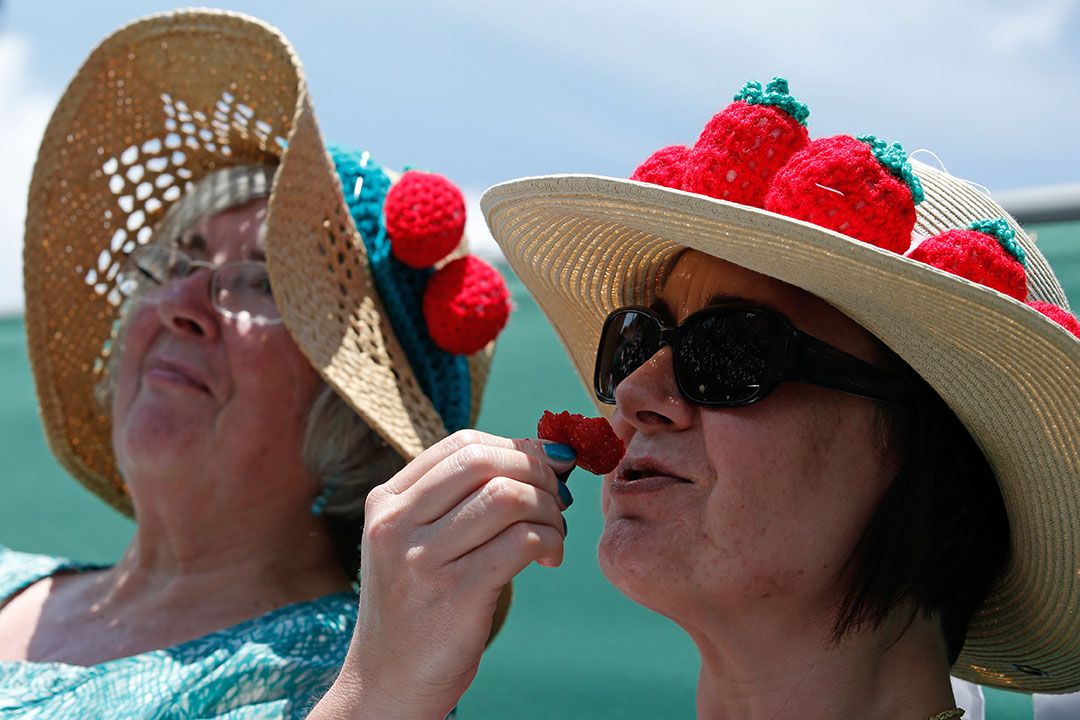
column 559, row 452
column 565, row 474
column 564, row 495
column 565, row 529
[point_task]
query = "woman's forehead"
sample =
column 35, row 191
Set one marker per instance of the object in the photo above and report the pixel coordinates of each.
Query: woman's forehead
column 234, row 233
column 698, row 280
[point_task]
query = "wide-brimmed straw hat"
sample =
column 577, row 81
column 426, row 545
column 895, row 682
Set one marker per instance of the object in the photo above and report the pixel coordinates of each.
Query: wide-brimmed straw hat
column 584, row 245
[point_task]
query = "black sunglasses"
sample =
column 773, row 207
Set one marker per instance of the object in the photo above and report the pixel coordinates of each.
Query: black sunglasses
column 733, row 354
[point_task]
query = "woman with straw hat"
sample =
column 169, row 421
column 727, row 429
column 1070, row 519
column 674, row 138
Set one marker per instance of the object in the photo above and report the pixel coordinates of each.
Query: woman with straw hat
column 235, row 335
column 847, row 388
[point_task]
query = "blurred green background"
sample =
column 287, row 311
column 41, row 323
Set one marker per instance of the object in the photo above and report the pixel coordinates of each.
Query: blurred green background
column 573, row 647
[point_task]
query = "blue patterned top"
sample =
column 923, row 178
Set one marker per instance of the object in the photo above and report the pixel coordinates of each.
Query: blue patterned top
column 274, row 666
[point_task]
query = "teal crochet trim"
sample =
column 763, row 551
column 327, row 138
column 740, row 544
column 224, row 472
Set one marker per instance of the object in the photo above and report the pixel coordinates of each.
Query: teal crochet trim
column 775, row 94
column 998, row 228
column 444, row 377
column 895, row 159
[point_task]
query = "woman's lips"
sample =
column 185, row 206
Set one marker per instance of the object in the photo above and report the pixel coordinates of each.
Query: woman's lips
column 644, row 476
column 158, row 369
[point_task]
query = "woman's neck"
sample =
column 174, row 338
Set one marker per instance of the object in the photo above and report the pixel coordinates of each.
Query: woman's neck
column 780, row 671
column 259, row 554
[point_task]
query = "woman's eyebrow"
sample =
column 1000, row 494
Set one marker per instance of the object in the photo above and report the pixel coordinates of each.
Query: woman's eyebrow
column 660, row 306
column 193, row 242
column 728, row 299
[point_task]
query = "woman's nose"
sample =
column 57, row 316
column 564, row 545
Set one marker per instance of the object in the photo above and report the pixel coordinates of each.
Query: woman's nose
column 185, row 307
column 649, row 399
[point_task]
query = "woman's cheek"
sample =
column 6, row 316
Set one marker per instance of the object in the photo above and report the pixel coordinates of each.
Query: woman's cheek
column 132, row 344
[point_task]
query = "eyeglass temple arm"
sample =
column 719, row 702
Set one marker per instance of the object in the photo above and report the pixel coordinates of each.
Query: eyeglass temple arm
column 821, row 364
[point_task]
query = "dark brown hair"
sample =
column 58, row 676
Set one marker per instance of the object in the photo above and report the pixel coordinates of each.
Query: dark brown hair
column 939, row 538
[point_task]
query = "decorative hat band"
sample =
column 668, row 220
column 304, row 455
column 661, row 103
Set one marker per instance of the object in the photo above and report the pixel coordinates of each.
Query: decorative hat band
column 757, row 152
column 438, row 315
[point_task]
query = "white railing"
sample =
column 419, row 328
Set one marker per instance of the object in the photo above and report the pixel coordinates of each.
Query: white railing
column 1053, row 203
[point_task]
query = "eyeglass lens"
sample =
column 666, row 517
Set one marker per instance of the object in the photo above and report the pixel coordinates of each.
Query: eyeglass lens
column 630, row 338
column 719, row 357
column 723, row 357
column 237, row 287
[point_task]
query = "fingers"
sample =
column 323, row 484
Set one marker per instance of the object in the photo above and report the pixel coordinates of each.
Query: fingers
column 438, row 452
column 467, row 471
column 459, row 441
column 508, row 553
column 497, row 505
column 463, row 492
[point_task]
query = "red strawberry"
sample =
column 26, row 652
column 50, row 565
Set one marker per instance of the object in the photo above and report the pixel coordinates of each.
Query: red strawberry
column 861, row 187
column 745, row 144
column 596, row 445
column 466, row 305
column 986, row 253
column 1059, row 315
column 425, row 218
column 664, row 167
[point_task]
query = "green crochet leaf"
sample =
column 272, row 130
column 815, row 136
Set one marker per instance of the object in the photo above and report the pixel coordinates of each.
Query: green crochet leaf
column 895, row 159
column 775, row 94
column 999, row 229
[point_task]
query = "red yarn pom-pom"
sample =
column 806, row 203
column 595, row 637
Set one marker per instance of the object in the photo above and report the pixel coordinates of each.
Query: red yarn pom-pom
column 975, row 256
column 425, row 218
column 839, row 184
column 740, row 150
column 664, row 167
column 1059, row 315
column 466, row 304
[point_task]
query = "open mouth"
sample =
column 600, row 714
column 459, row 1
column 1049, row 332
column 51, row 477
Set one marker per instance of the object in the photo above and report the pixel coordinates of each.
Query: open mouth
column 644, row 474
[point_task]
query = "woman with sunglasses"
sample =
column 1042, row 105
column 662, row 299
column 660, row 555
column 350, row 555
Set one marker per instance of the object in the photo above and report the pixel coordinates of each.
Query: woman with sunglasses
column 851, row 435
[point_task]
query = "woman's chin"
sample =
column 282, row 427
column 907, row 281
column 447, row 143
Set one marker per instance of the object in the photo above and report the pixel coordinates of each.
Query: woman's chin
column 150, row 440
column 634, row 559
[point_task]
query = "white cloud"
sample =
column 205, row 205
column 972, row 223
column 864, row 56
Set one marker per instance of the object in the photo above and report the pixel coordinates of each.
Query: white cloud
column 24, row 112
column 1032, row 26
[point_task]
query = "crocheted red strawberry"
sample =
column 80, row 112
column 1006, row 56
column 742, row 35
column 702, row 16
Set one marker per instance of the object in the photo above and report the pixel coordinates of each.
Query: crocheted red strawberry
column 425, row 218
column 466, row 305
column 664, row 167
column 1059, row 315
column 986, row 253
column 596, row 445
column 745, row 144
column 861, row 187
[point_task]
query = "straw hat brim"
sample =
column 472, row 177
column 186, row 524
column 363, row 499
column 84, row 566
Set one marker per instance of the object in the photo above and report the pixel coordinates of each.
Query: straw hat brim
column 584, row 245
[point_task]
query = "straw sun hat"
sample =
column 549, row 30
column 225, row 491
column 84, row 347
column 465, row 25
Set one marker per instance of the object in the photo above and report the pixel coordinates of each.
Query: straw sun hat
column 158, row 105
column 585, row 245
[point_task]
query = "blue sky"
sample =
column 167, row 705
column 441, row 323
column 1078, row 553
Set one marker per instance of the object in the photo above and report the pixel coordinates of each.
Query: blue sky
column 485, row 90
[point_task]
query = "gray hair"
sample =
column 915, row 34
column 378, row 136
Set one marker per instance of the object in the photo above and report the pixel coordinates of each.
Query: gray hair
column 348, row 458
column 340, row 451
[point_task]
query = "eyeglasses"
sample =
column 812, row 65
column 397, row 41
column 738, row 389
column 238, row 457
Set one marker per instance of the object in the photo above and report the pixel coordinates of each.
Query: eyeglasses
column 732, row 355
column 237, row 288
